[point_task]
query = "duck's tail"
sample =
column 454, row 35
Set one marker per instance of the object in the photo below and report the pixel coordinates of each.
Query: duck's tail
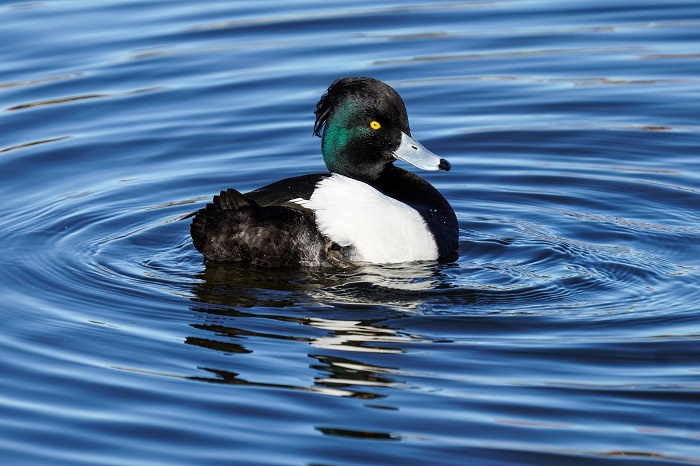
column 207, row 221
column 234, row 228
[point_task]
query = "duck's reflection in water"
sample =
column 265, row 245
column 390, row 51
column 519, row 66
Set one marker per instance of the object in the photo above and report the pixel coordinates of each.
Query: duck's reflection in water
column 338, row 320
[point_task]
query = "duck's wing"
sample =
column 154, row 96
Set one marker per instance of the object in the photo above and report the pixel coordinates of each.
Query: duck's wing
column 236, row 228
column 286, row 192
column 282, row 193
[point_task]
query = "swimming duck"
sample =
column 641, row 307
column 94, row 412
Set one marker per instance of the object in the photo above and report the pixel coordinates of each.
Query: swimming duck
column 366, row 210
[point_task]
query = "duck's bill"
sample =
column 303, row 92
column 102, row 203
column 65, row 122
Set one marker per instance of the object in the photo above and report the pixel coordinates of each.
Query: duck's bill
column 413, row 152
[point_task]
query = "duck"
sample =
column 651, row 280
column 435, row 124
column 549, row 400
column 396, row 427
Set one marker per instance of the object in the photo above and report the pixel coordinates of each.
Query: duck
column 364, row 210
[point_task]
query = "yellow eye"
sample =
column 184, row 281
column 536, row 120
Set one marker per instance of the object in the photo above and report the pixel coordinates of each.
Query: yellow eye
column 375, row 125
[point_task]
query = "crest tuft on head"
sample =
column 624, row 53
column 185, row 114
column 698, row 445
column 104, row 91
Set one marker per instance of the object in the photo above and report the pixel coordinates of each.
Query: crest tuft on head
column 339, row 90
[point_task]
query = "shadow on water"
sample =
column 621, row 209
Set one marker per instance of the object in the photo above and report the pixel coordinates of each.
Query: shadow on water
column 397, row 285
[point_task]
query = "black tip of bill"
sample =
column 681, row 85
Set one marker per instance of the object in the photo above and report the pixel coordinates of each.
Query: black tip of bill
column 444, row 165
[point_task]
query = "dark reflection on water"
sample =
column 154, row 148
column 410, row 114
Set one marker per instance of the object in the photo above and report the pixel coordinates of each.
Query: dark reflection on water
column 364, row 435
column 228, row 296
column 403, row 284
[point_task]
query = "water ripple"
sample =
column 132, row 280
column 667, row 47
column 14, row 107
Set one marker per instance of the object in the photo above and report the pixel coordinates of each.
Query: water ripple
column 565, row 332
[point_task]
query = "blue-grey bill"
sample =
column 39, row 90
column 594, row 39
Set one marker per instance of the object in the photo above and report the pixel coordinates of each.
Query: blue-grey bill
column 413, row 152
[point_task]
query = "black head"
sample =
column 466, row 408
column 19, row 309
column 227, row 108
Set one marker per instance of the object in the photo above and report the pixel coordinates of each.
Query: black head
column 364, row 128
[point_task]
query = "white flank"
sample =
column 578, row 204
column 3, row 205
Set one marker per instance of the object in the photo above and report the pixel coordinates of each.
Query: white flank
column 380, row 229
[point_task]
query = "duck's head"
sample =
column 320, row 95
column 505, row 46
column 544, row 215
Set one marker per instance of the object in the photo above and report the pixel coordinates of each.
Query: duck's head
column 364, row 128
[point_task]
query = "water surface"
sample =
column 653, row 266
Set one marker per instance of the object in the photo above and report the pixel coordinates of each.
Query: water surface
column 567, row 331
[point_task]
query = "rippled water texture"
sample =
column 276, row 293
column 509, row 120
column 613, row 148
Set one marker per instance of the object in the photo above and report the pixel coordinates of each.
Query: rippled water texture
column 567, row 332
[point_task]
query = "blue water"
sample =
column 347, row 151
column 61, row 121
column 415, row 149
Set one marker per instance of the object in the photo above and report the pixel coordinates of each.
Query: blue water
column 567, row 332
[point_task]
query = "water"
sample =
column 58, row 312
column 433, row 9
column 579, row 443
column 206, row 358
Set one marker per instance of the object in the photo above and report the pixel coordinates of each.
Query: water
column 567, row 332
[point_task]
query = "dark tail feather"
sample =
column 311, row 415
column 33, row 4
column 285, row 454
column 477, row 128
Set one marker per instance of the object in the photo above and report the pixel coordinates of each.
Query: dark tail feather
column 208, row 219
column 232, row 200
